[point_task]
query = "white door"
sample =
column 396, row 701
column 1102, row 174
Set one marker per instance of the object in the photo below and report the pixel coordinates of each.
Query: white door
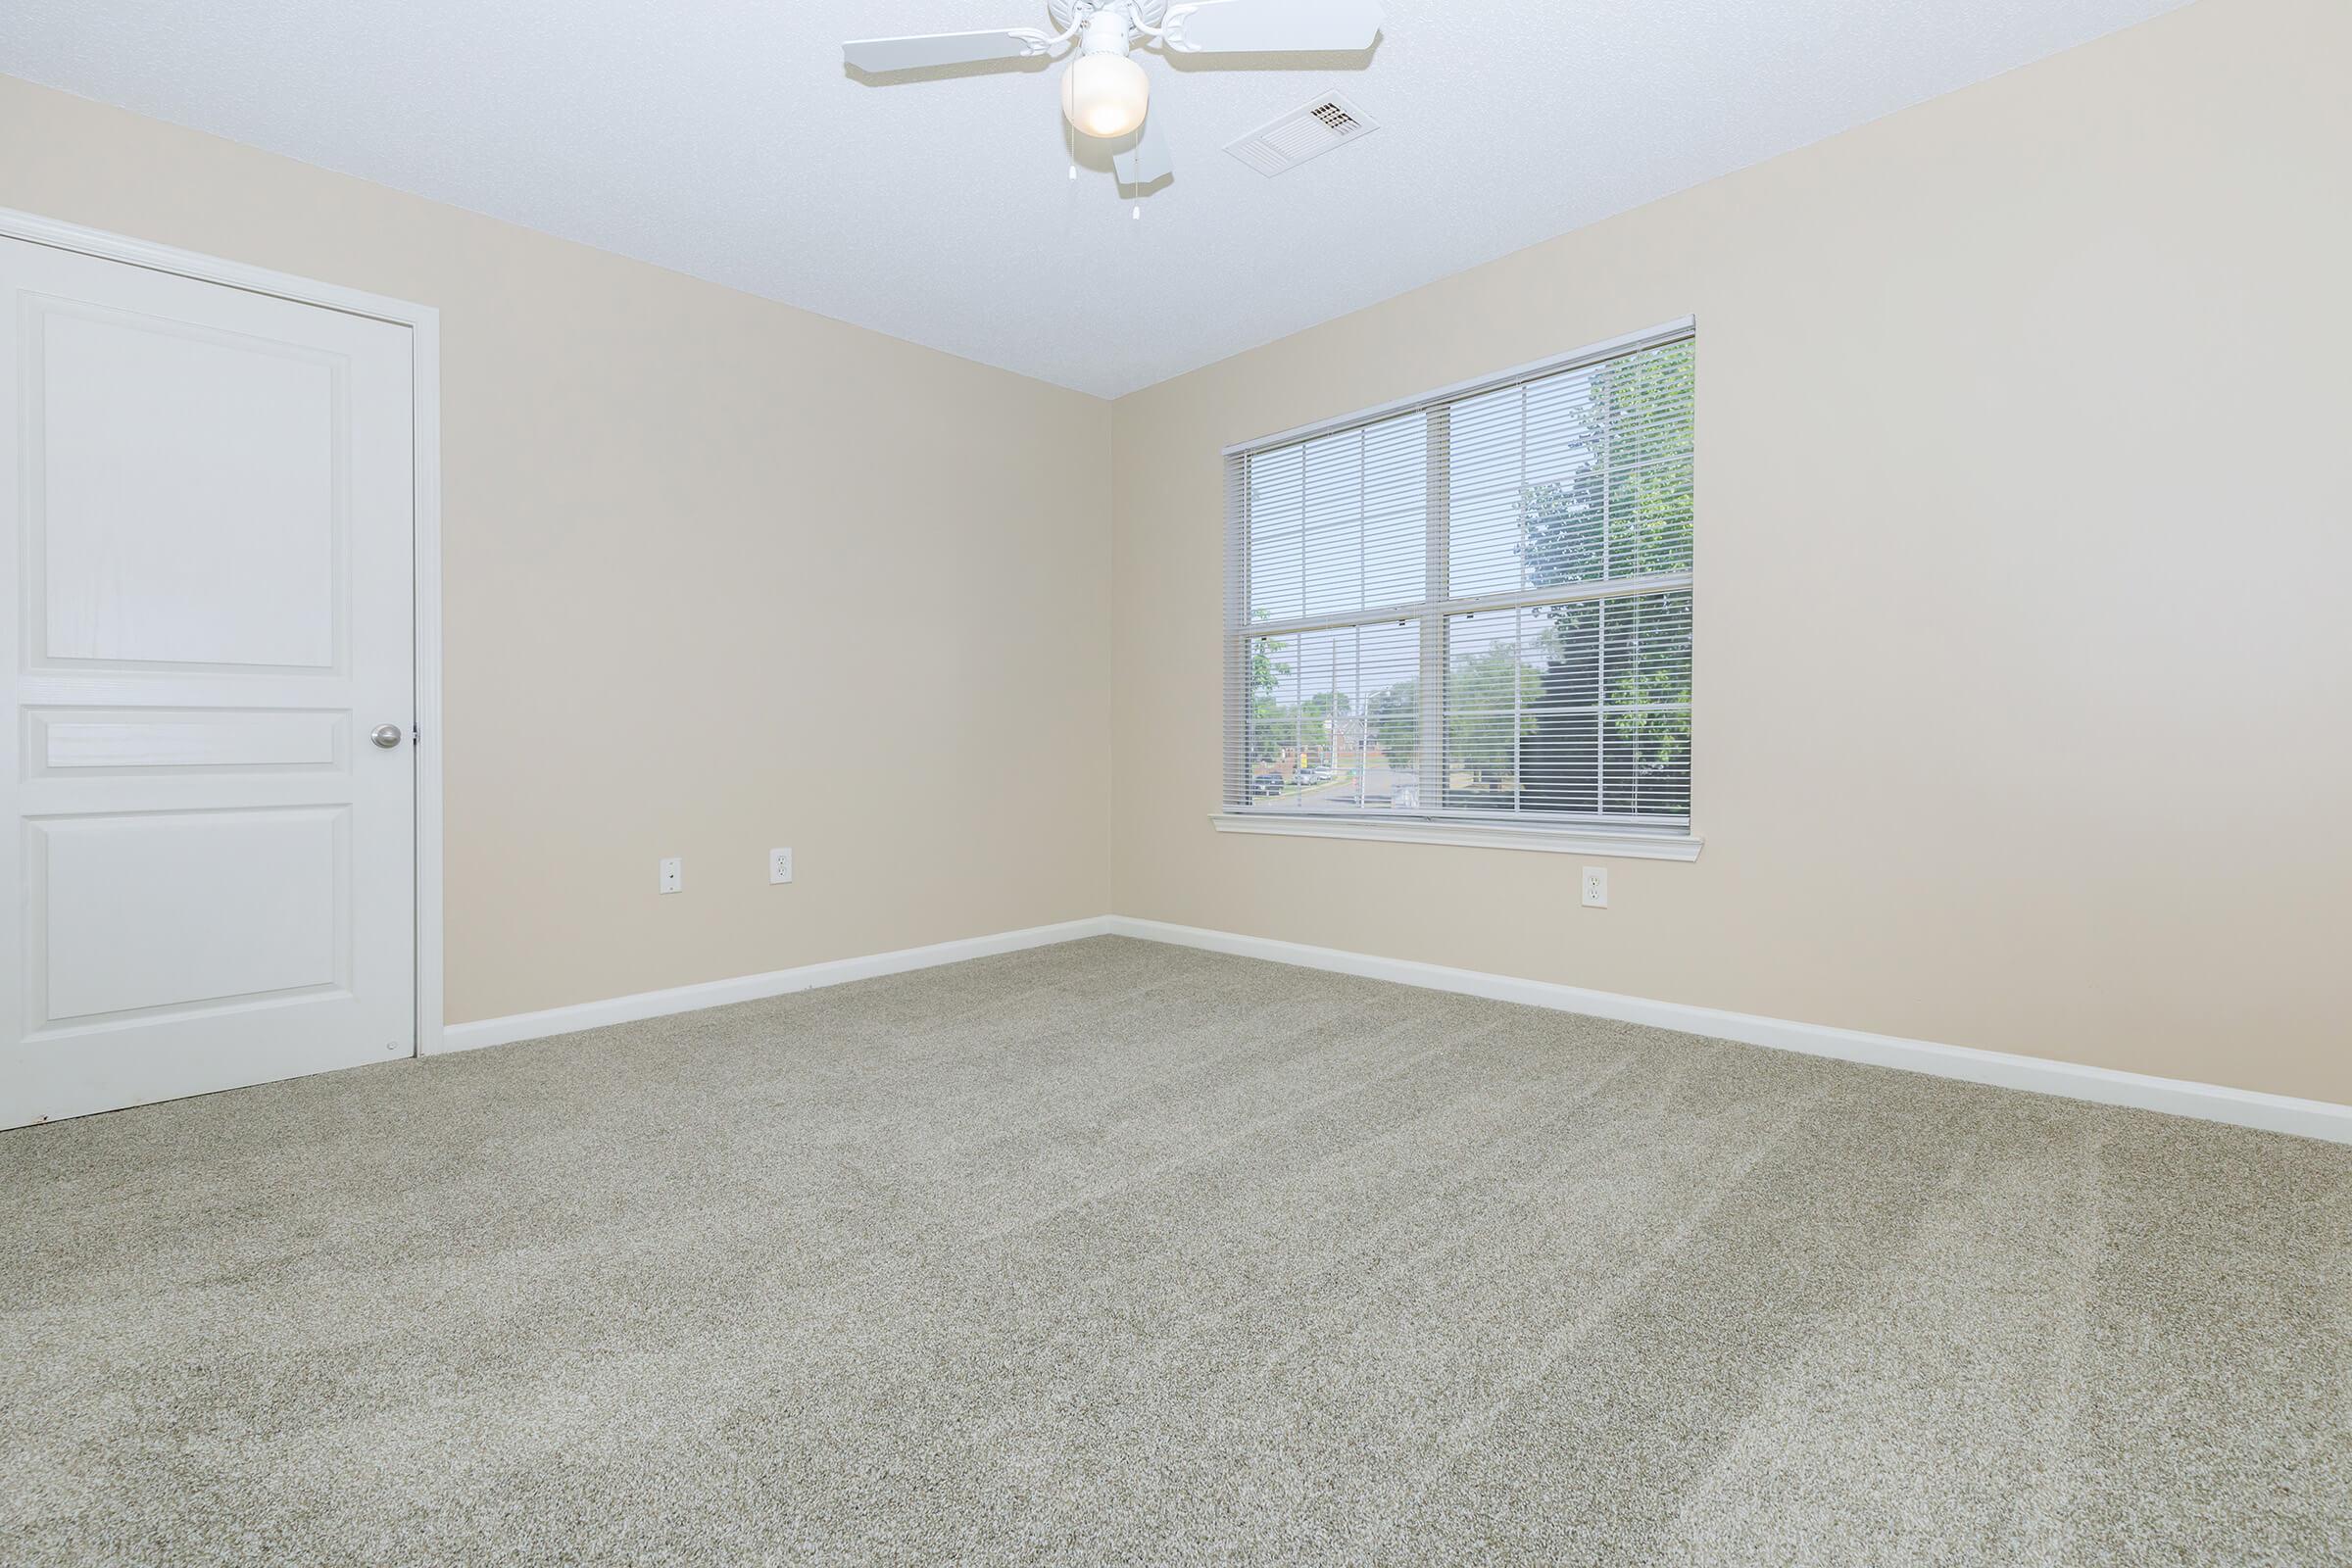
column 207, row 527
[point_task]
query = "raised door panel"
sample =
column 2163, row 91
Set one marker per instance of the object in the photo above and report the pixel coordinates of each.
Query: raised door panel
column 188, row 910
column 187, row 505
column 81, row 742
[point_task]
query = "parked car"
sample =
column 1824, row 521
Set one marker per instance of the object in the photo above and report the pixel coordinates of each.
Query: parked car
column 1266, row 784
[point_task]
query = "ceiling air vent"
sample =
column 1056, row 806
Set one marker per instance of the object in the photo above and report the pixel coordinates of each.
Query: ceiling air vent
column 1301, row 134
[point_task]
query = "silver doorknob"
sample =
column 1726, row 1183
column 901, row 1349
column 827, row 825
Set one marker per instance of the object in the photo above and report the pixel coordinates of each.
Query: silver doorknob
column 386, row 735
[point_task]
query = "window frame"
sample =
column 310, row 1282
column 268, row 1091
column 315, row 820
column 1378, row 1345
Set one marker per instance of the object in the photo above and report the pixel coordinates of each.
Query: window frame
column 1583, row 833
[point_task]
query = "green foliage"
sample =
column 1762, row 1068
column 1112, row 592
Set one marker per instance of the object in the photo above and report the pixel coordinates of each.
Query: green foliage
column 1267, row 733
column 1276, row 727
column 1634, row 515
column 1395, row 716
column 1631, row 656
column 1487, row 698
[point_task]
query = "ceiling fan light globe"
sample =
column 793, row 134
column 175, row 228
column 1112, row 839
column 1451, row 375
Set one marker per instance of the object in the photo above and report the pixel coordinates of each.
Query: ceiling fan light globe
column 1104, row 94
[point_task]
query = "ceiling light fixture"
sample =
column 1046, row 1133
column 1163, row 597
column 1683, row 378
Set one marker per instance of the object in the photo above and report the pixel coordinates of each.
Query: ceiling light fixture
column 1104, row 92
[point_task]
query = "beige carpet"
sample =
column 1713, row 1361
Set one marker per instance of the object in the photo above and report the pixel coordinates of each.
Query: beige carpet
column 1116, row 1253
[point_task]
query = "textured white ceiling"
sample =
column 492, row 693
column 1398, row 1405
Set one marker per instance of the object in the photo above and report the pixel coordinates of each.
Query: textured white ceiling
column 724, row 138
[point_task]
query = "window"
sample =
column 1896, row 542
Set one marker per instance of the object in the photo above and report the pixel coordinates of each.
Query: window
column 1472, row 613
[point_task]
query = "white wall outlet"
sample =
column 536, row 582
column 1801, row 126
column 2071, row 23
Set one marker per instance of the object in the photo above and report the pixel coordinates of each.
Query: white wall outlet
column 673, row 874
column 779, row 866
column 1597, row 887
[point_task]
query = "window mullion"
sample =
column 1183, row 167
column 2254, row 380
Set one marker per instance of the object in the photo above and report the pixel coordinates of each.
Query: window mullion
column 1600, row 627
column 1239, row 697
column 1429, row 691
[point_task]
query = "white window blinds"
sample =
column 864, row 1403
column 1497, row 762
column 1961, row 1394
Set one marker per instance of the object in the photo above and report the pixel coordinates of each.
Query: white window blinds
column 1478, row 607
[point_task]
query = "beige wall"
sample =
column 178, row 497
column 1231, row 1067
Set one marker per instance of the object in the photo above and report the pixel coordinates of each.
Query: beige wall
column 2025, row 683
column 676, row 518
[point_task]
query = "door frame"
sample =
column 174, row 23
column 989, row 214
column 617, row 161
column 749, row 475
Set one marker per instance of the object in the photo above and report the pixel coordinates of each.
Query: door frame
column 424, row 322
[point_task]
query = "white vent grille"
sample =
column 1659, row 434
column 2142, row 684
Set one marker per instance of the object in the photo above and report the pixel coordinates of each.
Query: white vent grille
column 1301, row 134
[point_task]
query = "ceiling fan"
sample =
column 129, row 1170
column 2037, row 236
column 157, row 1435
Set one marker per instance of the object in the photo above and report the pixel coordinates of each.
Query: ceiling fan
column 1104, row 93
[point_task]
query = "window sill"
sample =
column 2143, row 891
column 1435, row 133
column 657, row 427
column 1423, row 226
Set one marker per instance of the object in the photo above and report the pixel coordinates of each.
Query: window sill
column 1621, row 843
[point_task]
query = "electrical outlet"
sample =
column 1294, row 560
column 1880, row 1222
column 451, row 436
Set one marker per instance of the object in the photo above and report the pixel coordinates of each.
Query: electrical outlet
column 673, row 874
column 779, row 866
column 1597, row 887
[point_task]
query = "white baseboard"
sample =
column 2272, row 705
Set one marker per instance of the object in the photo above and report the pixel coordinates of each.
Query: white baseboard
column 2179, row 1097
column 753, row 987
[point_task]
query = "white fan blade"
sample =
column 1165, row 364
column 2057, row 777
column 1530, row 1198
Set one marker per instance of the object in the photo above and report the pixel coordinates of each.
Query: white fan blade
column 1265, row 27
column 877, row 55
column 1147, row 160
